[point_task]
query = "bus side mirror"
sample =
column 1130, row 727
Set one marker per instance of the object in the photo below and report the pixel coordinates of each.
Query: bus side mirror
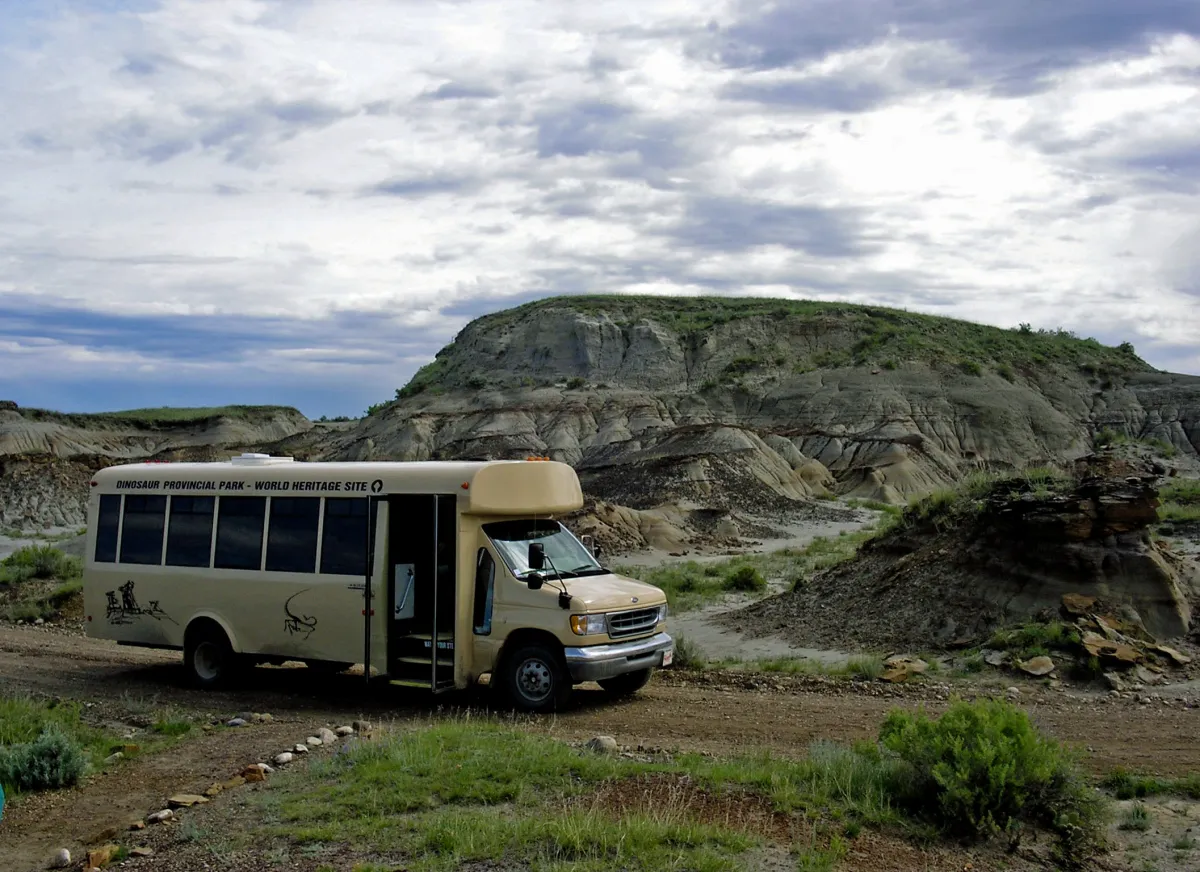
column 537, row 555
column 534, row 581
column 597, row 552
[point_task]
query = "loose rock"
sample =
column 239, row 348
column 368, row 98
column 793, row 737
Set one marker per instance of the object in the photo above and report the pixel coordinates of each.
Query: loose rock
column 1036, row 666
column 326, row 735
column 186, row 800
column 160, row 816
column 345, row 731
column 603, row 745
column 300, row 749
column 61, row 860
column 284, row 758
column 236, row 722
column 313, row 742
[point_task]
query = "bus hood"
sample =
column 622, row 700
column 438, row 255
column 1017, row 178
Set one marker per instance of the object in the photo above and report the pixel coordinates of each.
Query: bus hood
column 612, row 592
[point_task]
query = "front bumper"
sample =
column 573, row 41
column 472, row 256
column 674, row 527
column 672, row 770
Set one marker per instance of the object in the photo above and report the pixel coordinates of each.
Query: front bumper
column 597, row 662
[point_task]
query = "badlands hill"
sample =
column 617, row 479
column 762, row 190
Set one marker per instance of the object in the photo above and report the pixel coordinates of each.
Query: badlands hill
column 687, row 416
column 713, row 414
column 47, row 458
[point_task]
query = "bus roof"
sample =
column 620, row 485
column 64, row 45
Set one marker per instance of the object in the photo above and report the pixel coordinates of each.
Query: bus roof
column 491, row 487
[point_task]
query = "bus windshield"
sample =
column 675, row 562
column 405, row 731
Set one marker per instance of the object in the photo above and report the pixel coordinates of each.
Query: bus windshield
column 564, row 552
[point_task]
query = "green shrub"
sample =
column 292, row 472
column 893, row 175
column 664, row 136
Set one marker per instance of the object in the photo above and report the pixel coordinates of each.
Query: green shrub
column 41, row 562
column 982, row 769
column 970, row 367
column 745, row 578
column 688, row 654
column 575, row 383
column 50, row 761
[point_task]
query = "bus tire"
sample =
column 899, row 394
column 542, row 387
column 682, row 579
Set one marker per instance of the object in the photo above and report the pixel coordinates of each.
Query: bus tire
column 534, row 678
column 208, row 657
column 626, row 684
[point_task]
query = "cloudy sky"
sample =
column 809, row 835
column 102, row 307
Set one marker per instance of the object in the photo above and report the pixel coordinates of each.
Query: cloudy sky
column 299, row 201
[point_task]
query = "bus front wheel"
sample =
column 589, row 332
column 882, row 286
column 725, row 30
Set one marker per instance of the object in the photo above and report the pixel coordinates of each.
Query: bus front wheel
column 535, row 679
column 209, row 657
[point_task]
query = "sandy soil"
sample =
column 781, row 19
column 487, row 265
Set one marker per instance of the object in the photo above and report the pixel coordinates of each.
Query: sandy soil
column 718, row 714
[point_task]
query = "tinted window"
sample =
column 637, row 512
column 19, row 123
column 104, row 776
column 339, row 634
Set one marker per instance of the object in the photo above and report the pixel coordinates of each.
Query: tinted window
column 107, row 525
column 240, row 532
column 485, row 584
column 189, row 533
column 344, row 537
column 292, row 537
column 142, row 529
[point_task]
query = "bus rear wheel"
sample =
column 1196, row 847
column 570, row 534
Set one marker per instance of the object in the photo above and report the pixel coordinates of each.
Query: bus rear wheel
column 534, row 679
column 208, row 657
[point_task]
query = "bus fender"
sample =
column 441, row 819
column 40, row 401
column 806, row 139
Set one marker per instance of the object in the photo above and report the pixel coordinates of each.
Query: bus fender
column 220, row 622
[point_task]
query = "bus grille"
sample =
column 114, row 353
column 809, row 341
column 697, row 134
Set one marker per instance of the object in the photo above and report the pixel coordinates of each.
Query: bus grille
column 633, row 622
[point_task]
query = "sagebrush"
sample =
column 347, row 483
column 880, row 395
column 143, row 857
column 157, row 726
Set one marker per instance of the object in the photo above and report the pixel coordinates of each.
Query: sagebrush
column 982, row 769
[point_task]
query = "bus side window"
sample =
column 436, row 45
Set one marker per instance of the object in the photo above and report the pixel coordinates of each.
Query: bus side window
column 107, row 526
column 189, row 532
column 142, row 531
column 292, row 534
column 485, row 586
column 240, row 532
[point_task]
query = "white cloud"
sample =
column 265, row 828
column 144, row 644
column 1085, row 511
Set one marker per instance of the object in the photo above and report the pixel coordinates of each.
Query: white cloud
column 291, row 162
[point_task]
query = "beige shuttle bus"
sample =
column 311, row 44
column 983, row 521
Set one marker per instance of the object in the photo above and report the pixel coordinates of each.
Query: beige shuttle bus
column 432, row 574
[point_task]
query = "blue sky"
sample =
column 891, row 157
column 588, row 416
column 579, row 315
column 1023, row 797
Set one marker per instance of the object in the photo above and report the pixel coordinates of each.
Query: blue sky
column 264, row 201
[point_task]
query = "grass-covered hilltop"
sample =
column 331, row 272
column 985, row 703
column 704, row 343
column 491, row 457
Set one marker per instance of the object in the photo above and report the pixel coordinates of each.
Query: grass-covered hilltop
column 742, row 341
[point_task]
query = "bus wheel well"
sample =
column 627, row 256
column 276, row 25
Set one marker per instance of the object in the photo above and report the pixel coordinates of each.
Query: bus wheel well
column 520, row 638
column 206, row 626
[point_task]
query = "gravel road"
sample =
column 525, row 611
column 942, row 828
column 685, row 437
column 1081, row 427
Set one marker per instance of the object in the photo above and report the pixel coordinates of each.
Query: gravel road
column 719, row 714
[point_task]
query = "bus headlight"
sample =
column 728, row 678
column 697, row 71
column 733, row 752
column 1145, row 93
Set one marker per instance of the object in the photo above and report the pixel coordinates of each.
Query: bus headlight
column 662, row 613
column 588, row 625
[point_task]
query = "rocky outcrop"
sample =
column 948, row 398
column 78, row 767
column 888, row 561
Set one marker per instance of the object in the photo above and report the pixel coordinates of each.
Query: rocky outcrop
column 649, row 395
column 47, row 459
column 955, row 570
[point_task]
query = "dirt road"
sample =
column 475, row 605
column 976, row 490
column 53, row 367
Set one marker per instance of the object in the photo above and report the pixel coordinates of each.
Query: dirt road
column 675, row 711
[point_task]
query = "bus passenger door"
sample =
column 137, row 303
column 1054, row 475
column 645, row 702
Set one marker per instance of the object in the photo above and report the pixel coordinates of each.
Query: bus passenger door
column 420, row 589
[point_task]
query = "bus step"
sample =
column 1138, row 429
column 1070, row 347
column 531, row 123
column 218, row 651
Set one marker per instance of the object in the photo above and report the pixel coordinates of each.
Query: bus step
column 409, row 682
column 424, row 661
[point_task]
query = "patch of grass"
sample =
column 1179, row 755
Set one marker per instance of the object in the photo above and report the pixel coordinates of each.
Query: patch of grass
column 744, row 578
column 170, row 726
column 1124, row 784
column 1036, row 639
column 1184, row 491
column 1136, row 818
column 1179, row 501
column 472, row 790
column 459, row 793
column 982, row 769
column 865, row 666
